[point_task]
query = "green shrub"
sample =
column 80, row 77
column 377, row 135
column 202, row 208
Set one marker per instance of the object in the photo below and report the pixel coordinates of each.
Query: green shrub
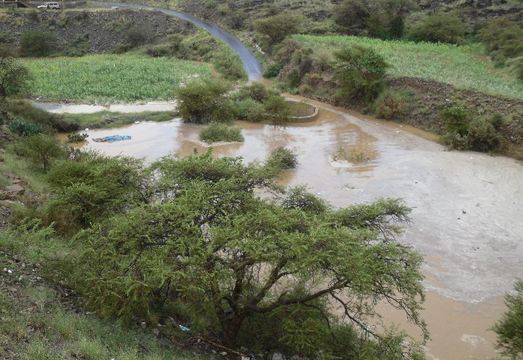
column 509, row 328
column 40, row 149
column 438, row 27
column 76, row 137
column 43, row 119
column 37, row 44
column 503, row 38
column 13, row 78
column 255, row 91
column 205, row 101
column 216, row 132
column 391, row 104
column 249, row 110
column 384, row 19
column 278, row 27
column 273, row 71
column 277, row 109
column 137, row 36
column 229, row 65
column 466, row 132
column 361, row 73
column 283, row 159
column 91, row 188
column 483, row 136
column 24, row 128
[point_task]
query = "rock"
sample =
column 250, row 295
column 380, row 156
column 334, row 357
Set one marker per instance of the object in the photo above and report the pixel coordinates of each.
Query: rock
column 277, row 356
column 15, row 190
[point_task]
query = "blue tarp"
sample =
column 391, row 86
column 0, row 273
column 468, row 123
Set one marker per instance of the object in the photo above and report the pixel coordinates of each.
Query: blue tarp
column 113, row 138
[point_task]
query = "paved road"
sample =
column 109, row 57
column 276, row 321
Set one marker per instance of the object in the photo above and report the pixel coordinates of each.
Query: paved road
column 251, row 65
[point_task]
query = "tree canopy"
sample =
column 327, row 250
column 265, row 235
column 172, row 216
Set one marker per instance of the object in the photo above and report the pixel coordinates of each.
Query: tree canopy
column 212, row 254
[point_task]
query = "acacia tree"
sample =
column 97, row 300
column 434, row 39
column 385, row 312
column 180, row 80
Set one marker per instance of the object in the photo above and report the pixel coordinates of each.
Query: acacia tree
column 217, row 257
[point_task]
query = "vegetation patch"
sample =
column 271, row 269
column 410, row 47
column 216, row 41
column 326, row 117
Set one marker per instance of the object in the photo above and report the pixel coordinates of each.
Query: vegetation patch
column 217, row 132
column 99, row 78
column 464, row 67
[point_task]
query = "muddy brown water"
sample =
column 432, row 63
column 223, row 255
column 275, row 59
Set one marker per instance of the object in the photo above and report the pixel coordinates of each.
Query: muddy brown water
column 466, row 206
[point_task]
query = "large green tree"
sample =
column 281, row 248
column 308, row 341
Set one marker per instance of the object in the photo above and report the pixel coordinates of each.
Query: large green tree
column 215, row 256
column 13, row 77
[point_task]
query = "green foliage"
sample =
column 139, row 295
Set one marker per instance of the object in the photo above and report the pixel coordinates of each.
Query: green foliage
column 273, row 71
column 503, row 38
column 277, row 109
column 43, row 119
column 464, row 131
column 277, row 27
column 299, row 198
column 391, row 104
column 24, row 128
column 213, row 255
column 105, row 78
column 37, row 44
column 229, row 65
column 282, row 159
column 91, row 188
column 41, row 149
column 361, row 73
column 205, row 101
column 216, row 132
column 13, row 77
column 255, row 91
column 137, row 36
column 438, row 27
column 376, row 18
column 509, row 328
column 76, row 137
column 250, row 110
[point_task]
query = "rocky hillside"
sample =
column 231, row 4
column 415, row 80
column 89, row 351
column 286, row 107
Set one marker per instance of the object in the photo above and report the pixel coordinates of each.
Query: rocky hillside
column 95, row 30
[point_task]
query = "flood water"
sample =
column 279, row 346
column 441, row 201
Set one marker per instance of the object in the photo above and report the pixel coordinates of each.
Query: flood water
column 466, row 217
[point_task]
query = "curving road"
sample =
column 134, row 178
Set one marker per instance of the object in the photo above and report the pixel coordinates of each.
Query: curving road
column 251, row 65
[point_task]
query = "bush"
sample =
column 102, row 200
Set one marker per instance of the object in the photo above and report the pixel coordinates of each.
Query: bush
column 282, row 159
column 391, row 104
column 221, row 132
column 483, row 136
column 92, row 188
column 509, row 328
column 250, row 110
column 277, row 109
column 48, row 121
column 40, row 149
column 255, row 91
column 37, row 44
column 13, row 78
column 465, row 133
column 205, row 101
column 76, row 138
column 136, row 36
column 24, row 128
column 377, row 18
column 273, row 71
column 503, row 38
column 439, row 27
column 361, row 73
column 278, row 27
column 229, row 65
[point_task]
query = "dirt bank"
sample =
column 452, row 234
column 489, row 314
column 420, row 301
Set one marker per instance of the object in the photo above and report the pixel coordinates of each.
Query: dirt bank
column 90, row 30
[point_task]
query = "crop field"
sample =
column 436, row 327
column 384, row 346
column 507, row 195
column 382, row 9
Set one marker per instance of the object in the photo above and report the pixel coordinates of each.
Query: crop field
column 110, row 78
column 464, row 67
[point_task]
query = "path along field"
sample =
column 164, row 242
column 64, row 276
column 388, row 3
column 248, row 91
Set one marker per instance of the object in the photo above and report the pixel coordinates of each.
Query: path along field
column 465, row 67
column 110, row 78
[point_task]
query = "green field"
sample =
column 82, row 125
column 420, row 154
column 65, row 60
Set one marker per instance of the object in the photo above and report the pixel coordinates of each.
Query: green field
column 464, row 67
column 106, row 78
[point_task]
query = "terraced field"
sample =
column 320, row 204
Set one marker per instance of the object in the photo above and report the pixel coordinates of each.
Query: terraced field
column 464, row 67
column 105, row 78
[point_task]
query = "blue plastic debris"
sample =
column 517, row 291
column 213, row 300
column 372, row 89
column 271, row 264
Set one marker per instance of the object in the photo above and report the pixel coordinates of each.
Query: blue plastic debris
column 113, row 138
column 184, row 328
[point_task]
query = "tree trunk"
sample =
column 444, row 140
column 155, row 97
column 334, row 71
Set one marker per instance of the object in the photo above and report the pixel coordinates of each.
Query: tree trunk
column 231, row 329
